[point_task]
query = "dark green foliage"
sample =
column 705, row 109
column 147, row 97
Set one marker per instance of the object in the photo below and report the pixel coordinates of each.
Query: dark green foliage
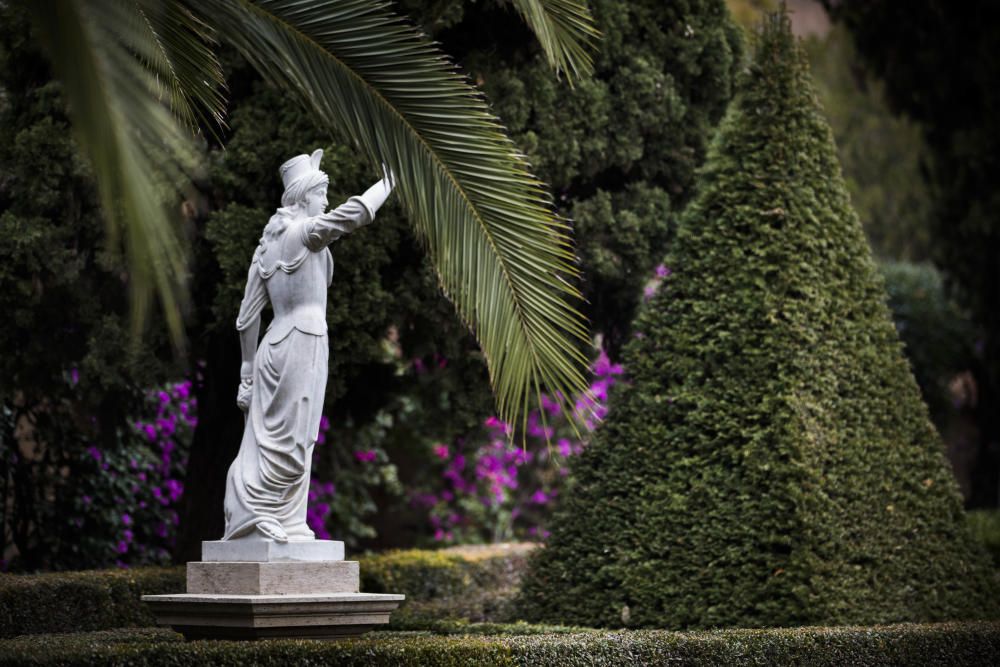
column 882, row 153
column 937, row 60
column 938, row 337
column 450, row 585
column 985, row 526
column 970, row 644
column 443, row 588
column 81, row 601
column 70, row 373
column 619, row 150
column 771, row 462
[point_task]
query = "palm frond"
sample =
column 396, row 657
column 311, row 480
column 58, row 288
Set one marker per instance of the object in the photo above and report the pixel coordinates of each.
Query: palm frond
column 138, row 150
column 176, row 47
column 486, row 222
column 565, row 30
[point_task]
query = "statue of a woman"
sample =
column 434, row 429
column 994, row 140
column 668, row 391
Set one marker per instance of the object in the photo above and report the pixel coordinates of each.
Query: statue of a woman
column 283, row 380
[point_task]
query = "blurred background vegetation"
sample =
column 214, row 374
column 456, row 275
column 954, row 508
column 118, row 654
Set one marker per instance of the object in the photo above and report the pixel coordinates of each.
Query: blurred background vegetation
column 408, row 393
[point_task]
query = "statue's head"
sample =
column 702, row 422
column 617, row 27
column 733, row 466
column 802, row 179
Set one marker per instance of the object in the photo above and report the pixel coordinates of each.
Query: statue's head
column 305, row 185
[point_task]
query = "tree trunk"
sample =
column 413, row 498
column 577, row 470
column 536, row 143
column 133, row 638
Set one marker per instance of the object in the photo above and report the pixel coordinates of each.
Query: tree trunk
column 216, row 442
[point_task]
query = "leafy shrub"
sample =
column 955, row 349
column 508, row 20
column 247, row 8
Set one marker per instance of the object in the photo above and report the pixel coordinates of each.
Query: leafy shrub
column 769, row 461
column 501, row 489
column 80, row 503
column 956, row 645
column 447, row 586
column 938, row 335
column 459, row 584
column 985, row 527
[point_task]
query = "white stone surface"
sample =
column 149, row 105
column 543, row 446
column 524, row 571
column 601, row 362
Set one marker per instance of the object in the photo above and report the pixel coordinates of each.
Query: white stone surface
column 294, row 578
column 283, row 376
column 257, row 550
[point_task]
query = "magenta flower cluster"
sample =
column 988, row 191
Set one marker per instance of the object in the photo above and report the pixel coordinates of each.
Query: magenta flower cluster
column 492, row 489
column 320, row 493
column 129, row 497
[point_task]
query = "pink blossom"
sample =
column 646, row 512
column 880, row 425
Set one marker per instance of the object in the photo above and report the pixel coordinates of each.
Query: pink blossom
column 366, row 456
column 441, row 451
column 564, row 447
column 662, row 271
column 539, row 497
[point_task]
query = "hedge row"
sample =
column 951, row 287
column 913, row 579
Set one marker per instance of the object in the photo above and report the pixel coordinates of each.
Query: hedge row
column 469, row 584
column 463, row 583
column 945, row 644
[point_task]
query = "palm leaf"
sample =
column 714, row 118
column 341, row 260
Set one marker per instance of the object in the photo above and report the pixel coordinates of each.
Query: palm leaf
column 486, row 222
column 139, row 152
column 566, row 32
column 176, row 47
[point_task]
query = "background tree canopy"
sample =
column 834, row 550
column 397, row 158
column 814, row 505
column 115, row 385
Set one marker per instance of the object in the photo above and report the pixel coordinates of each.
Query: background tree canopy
column 939, row 68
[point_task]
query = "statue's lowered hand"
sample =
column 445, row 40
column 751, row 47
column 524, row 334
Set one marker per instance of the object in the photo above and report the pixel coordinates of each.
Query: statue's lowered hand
column 244, row 393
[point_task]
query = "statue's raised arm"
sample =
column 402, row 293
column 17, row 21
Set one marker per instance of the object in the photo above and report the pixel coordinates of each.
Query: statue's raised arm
column 283, row 379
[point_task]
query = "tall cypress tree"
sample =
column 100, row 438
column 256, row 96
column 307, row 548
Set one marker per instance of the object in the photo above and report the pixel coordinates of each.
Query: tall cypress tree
column 770, row 461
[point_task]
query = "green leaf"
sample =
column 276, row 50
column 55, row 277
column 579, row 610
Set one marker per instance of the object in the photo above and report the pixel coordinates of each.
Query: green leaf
column 566, row 31
column 502, row 257
column 111, row 72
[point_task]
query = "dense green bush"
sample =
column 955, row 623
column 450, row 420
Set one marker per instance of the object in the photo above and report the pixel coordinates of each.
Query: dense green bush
column 770, row 462
column 81, row 601
column 938, row 335
column 972, row 644
column 442, row 588
column 985, row 526
column 619, row 151
column 470, row 584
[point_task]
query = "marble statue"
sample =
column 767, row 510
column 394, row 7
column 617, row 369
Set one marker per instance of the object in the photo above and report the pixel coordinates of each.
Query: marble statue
column 283, row 378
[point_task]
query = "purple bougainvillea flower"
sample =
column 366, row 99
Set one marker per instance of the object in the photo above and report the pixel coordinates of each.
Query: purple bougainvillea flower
column 564, row 447
column 74, row 376
column 366, row 456
column 324, row 423
column 175, row 488
column 441, row 451
column 122, row 546
column 127, row 519
column 662, row 271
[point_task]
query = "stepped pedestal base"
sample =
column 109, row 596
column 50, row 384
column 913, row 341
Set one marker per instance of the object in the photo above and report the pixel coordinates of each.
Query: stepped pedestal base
column 271, row 591
column 316, row 616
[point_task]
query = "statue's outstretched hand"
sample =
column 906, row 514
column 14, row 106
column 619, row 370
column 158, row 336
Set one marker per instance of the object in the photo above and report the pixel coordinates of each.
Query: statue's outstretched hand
column 244, row 393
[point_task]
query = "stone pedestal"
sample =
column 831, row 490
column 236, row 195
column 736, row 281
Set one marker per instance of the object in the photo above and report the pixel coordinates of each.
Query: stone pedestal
column 267, row 590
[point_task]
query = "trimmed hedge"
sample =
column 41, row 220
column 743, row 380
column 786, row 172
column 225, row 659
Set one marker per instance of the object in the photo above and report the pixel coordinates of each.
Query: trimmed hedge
column 461, row 583
column 79, row 601
column 470, row 584
column 770, row 462
column 947, row 644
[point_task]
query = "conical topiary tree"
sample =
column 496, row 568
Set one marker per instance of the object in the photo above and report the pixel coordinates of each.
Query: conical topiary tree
column 771, row 461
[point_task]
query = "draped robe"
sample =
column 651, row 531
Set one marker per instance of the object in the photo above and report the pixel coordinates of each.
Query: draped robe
column 291, row 270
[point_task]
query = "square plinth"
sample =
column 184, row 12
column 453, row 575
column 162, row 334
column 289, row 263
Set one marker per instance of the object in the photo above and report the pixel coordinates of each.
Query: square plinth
column 319, row 616
column 254, row 549
column 277, row 578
